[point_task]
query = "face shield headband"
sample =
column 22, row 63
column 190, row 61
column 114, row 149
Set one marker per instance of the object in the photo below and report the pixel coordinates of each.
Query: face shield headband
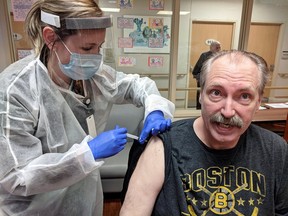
column 77, row 23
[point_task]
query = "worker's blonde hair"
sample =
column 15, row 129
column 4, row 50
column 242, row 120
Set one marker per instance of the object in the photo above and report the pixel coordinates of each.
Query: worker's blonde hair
column 62, row 8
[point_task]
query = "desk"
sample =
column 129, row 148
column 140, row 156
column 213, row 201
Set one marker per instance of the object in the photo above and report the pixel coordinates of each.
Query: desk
column 271, row 114
column 273, row 119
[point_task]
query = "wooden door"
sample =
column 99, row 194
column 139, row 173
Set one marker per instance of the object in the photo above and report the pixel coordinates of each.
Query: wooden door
column 201, row 31
column 263, row 40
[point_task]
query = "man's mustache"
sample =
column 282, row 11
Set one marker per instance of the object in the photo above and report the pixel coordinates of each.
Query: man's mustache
column 234, row 121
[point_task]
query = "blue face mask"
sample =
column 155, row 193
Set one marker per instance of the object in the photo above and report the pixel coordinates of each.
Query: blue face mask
column 81, row 66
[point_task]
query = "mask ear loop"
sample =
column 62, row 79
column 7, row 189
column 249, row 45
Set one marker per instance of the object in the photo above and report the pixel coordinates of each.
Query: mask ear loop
column 65, row 46
column 59, row 80
column 57, row 56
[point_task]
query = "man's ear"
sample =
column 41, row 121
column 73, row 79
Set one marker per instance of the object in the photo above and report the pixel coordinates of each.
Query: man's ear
column 49, row 36
column 259, row 102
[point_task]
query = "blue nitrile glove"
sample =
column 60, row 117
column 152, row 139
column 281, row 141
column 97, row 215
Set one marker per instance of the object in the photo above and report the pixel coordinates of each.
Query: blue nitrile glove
column 155, row 123
column 108, row 143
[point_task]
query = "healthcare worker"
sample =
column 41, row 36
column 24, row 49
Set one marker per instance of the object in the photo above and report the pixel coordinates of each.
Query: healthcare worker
column 52, row 100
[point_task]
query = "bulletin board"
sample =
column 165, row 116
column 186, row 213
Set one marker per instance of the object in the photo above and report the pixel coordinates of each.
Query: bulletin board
column 148, row 35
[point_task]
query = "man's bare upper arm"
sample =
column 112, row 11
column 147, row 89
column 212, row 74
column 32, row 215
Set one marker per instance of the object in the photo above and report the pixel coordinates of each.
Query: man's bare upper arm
column 146, row 180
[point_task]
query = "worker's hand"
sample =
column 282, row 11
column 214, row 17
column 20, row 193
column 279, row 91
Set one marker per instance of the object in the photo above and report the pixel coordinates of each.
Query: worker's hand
column 155, row 123
column 108, row 143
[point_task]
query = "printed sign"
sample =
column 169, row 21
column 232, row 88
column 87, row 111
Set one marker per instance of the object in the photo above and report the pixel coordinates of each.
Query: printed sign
column 125, row 42
column 126, row 4
column 123, row 22
column 156, row 5
column 20, row 8
column 155, row 61
column 125, row 61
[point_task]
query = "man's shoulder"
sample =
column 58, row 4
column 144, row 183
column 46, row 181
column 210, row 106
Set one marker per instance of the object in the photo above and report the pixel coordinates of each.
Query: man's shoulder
column 181, row 123
column 179, row 128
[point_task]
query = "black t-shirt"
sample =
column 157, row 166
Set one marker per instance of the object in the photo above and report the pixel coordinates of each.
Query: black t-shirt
column 250, row 179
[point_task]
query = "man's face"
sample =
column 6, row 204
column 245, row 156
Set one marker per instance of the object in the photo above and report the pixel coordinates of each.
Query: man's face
column 231, row 90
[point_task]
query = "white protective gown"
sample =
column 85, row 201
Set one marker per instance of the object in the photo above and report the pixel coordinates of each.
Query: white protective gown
column 47, row 167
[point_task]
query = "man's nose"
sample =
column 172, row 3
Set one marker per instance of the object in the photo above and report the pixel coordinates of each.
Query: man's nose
column 228, row 109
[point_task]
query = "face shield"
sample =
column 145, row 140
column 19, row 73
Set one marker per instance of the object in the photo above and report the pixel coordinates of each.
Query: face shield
column 92, row 46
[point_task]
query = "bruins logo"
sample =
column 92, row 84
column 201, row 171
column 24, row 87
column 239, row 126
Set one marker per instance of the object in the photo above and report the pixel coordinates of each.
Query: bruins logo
column 222, row 201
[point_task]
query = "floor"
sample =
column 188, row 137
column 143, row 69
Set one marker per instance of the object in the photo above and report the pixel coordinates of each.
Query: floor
column 112, row 205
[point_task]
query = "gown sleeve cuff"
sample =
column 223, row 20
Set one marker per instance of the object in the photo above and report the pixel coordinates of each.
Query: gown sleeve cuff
column 156, row 102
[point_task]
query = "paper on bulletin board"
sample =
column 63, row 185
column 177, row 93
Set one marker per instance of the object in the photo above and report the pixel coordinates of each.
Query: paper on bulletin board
column 125, row 42
column 155, row 61
column 126, row 4
column 22, row 53
column 126, row 61
column 156, row 5
column 125, row 22
column 20, row 8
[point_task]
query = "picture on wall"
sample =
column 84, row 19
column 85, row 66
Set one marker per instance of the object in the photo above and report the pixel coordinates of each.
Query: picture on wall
column 149, row 35
column 126, row 4
column 155, row 61
column 22, row 53
column 20, row 9
column 126, row 61
column 156, row 4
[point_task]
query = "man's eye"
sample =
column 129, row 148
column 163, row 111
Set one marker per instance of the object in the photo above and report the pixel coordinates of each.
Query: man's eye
column 245, row 96
column 215, row 95
column 215, row 92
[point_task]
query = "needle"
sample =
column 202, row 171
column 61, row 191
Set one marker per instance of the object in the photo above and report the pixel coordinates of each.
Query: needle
column 132, row 136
